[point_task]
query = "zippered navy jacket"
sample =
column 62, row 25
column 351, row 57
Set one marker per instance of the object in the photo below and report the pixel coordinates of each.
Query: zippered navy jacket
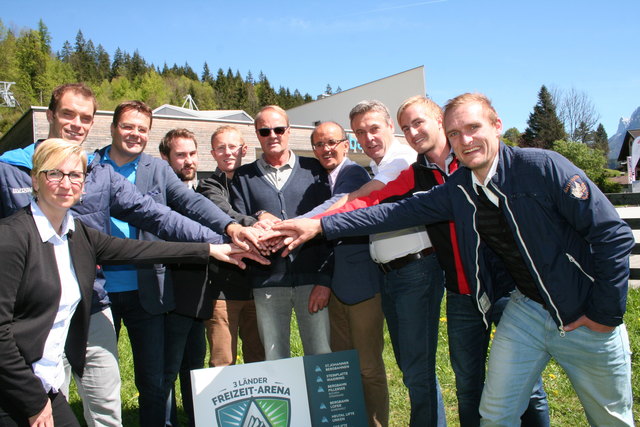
column 106, row 193
column 571, row 238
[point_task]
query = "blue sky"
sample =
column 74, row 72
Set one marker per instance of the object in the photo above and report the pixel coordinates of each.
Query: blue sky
column 505, row 49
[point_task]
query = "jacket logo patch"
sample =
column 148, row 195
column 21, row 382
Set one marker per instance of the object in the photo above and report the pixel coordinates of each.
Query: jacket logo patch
column 22, row 190
column 577, row 188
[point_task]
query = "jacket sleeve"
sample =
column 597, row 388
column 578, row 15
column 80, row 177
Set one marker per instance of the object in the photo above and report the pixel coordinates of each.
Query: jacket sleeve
column 212, row 190
column 19, row 386
column 349, row 179
column 194, row 205
column 113, row 250
column 399, row 187
column 591, row 214
column 131, row 206
column 320, row 209
column 422, row 208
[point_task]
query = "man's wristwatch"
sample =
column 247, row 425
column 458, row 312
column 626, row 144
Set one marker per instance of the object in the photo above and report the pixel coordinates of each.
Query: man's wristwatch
column 257, row 214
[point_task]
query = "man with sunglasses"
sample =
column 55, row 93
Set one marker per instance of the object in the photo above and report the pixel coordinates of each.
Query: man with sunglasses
column 286, row 185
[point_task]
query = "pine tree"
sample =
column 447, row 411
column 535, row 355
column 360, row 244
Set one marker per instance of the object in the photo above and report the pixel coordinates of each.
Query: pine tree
column 206, row 74
column 104, row 63
column 543, row 126
column 45, row 37
column 189, row 73
column 65, row 53
column 79, row 58
column 601, row 140
column 582, row 133
column 117, row 66
column 137, row 66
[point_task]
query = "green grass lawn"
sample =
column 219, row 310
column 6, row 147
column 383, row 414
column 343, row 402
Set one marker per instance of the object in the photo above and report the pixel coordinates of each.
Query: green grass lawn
column 565, row 406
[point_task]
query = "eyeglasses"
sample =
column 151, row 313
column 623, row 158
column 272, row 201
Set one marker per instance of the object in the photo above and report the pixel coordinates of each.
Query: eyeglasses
column 55, row 175
column 232, row 148
column 330, row 143
column 280, row 130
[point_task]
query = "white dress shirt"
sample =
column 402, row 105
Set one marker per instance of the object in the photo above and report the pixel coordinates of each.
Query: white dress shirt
column 50, row 368
column 385, row 247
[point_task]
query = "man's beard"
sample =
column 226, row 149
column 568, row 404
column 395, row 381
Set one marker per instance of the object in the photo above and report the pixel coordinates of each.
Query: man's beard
column 186, row 176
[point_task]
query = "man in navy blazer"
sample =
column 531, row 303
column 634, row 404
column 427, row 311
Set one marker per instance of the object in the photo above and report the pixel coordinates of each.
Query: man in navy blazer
column 355, row 311
column 140, row 295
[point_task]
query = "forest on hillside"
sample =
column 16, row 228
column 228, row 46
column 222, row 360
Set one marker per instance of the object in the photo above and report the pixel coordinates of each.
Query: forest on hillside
column 26, row 58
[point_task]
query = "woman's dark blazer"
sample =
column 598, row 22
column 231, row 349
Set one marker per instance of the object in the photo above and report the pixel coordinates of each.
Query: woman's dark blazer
column 30, row 296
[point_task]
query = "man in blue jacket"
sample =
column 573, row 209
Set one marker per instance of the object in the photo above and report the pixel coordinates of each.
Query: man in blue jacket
column 538, row 220
column 70, row 115
column 141, row 295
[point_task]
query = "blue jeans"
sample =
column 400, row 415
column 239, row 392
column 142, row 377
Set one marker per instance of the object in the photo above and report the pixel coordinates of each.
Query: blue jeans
column 273, row 308
column 184, row 350
column 146, row 334
column 411, row 298
column 598, row 365
column 468, row 344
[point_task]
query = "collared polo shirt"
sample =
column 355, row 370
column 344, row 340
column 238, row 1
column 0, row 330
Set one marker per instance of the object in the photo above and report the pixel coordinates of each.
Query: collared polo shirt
column 277, row 176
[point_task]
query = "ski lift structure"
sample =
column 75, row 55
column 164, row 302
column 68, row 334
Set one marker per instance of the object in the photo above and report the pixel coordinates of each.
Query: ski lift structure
column 6, row 96
column 190, row 103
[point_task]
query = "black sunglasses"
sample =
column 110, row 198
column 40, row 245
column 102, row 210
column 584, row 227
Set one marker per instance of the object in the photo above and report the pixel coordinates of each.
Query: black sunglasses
column 280, row 130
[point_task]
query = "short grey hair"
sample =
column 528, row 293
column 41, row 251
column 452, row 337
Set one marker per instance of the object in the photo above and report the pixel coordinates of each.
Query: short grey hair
column 367, row 105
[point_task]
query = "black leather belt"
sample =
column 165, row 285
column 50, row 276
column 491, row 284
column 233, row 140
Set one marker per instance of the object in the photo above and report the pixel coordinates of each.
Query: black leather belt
column 398, row 263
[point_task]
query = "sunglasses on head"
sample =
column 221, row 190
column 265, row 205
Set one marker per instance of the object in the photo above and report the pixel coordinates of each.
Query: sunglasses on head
column 280, row 130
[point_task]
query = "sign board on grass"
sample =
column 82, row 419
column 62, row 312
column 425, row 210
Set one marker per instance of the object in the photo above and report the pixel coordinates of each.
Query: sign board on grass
column 317, row 391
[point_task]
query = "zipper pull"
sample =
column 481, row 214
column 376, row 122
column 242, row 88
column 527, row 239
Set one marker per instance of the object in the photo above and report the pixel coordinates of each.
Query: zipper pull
column 562, row 332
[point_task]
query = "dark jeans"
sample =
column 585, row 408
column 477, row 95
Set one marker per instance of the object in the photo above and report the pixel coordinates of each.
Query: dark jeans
column 411, row 298
column 468, row 344
column 185, row 349
column 146, row 334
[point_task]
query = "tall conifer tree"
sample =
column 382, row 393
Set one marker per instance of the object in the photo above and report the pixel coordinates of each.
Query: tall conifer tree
column 543, row 127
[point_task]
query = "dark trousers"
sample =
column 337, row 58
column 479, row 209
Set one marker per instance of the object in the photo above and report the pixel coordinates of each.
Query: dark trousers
column 63, row 416
column 185, row 349
column 146, row 333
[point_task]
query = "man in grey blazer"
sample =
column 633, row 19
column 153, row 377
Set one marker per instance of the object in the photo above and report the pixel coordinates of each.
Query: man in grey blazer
column 355, row 312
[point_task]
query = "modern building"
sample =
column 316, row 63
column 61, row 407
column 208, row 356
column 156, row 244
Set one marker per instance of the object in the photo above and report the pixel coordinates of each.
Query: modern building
column 390, row 90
